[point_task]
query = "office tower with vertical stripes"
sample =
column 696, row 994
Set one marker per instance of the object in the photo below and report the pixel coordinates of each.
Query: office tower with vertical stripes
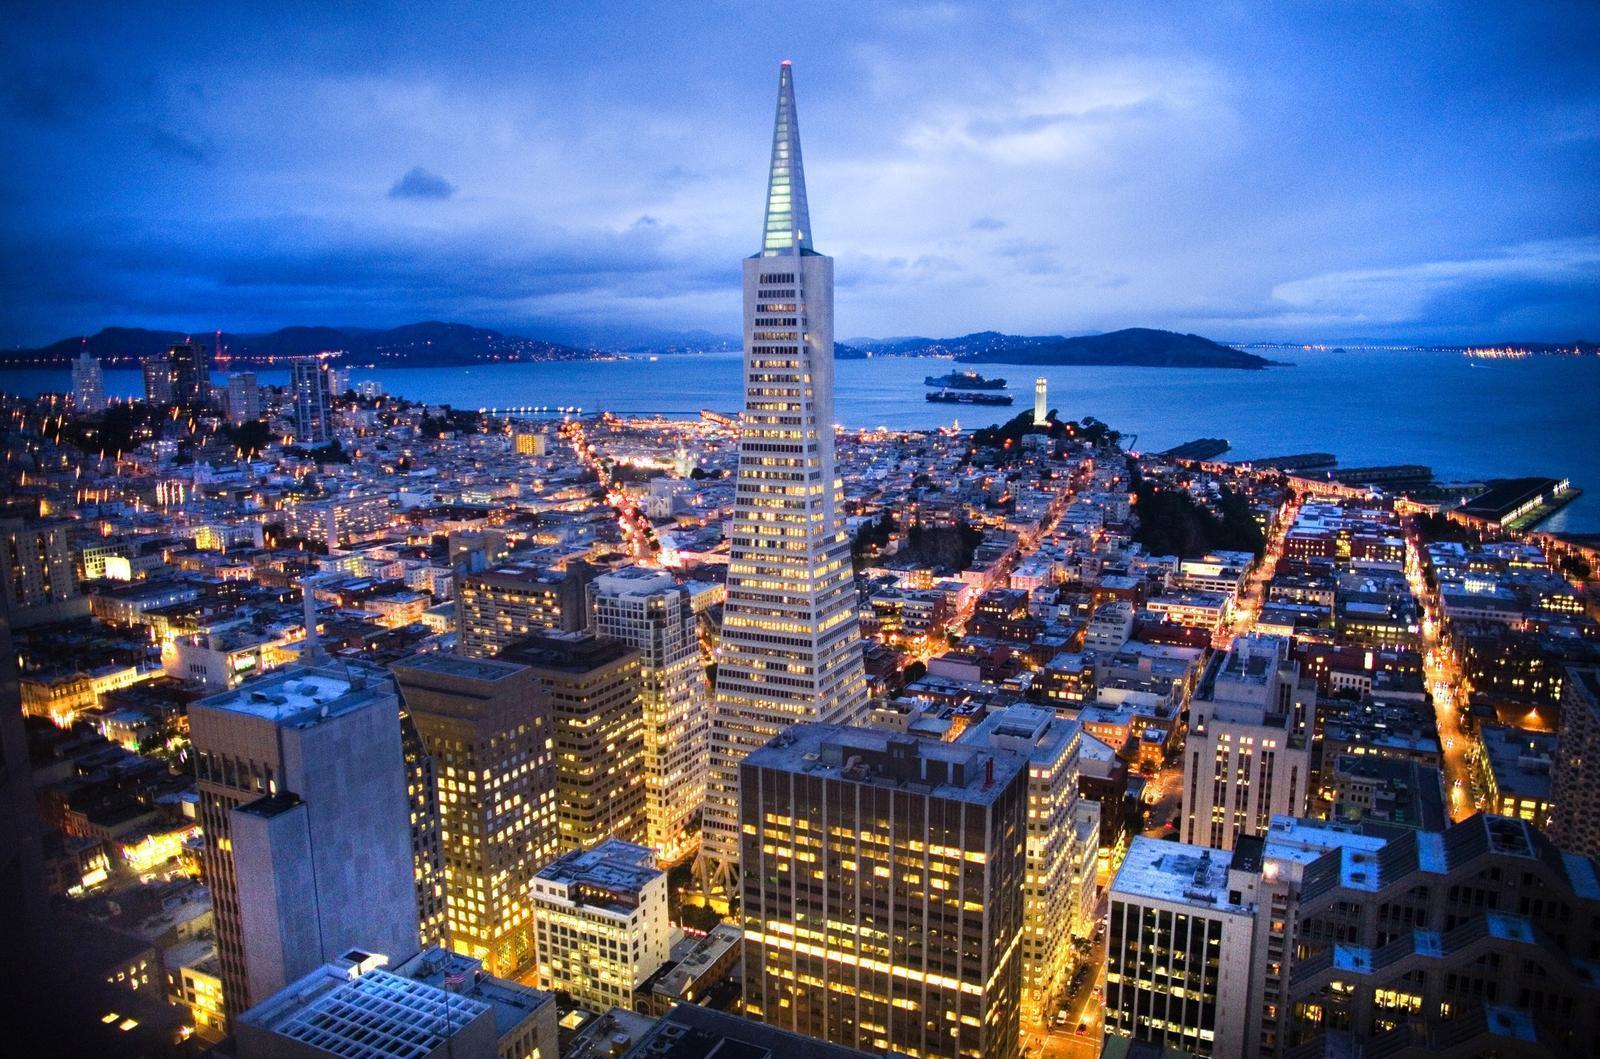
column 790, row 647
column 648, row 610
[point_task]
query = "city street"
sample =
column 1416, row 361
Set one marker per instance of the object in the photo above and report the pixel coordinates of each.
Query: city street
column 1084, row 1008
column 1445, row 684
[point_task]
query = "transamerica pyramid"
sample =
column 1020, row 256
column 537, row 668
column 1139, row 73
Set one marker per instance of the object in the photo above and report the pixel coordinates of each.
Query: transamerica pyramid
column 791, row 647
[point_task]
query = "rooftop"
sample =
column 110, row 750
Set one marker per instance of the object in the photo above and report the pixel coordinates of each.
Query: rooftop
column 365, row 1016
column 1156, row 869
column 453, row 665
column 612, row 867
column 512, row 1003
column 294, row 693
column 689, row 1031
column 956, row 771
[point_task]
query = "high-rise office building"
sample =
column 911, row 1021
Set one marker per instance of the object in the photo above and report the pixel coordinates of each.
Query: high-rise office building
column 427, row 834
column 190, row 370
column 160, row 381
column 1041, row 400
column 1063, row 848
column 651, row 612
column 312, row 392
column 486, row 725
column 602, row 923
column 790, row 647
column 1575, row 773
column 88, row 384
column 1249, row 744
column 1324, row 938
column 594, row 686
column 1179, row 946
column 882, row 890
column 244, row 398
column 308, row 844
column 498, row 606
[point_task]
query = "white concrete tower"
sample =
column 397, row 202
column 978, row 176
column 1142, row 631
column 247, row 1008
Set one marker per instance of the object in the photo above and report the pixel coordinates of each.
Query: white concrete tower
column 790, row 648
column 1041, row 407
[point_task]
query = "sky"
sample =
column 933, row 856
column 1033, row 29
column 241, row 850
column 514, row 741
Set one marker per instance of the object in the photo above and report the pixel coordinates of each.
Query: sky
column 1301, row 170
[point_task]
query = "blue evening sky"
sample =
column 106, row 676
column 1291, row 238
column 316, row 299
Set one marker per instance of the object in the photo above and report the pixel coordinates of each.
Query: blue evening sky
column 1318, row 170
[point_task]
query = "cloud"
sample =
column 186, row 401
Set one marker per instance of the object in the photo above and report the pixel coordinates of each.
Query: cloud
column 988, row 224
column 1429, row 289
column 175, row 144
column 419, row 183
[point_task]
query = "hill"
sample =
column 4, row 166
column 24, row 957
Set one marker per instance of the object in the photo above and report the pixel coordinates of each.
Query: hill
column 1141, row 347
column 1134, row 346
column 413, row 345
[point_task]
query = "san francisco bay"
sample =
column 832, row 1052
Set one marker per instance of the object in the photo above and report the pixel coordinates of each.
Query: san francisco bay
column 1468, row 419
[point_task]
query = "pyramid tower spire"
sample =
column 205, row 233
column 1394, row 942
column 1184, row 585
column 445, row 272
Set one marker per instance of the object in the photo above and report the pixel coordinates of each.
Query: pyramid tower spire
column 788, row 227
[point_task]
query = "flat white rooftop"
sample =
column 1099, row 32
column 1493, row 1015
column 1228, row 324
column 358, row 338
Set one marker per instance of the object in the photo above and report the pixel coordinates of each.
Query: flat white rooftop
column 1177, row 873
column 298, row 691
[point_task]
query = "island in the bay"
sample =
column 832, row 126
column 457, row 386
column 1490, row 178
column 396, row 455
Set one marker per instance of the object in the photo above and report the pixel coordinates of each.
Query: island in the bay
column 1138, row 347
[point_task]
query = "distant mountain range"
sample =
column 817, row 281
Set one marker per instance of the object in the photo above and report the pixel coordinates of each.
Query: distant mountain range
column 435, row 344
column 1132, row 347
column 429, row 344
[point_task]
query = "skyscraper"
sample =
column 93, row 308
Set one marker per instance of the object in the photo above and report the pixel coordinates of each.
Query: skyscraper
column 244, row 398
column 651, row 612
column 88, row 384
column 486, row 725
column 1063, row 840
column 1181, row 935
column 190, row 366
column 882, row 883
column 1575, row 821
column 303, row 799
column 1249, row 743
column 594, row 686
column 313, row 396
column 160, row 381
column 790, row 647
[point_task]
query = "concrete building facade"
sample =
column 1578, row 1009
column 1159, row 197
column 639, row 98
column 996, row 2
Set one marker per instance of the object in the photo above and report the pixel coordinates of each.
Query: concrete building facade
column 303, row 803
column 1248, row 751
column 601, row 920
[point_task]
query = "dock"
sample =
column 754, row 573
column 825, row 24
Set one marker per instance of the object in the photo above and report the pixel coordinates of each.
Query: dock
column 1521, row 503
column 1300, row 463
column 1198, row 449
